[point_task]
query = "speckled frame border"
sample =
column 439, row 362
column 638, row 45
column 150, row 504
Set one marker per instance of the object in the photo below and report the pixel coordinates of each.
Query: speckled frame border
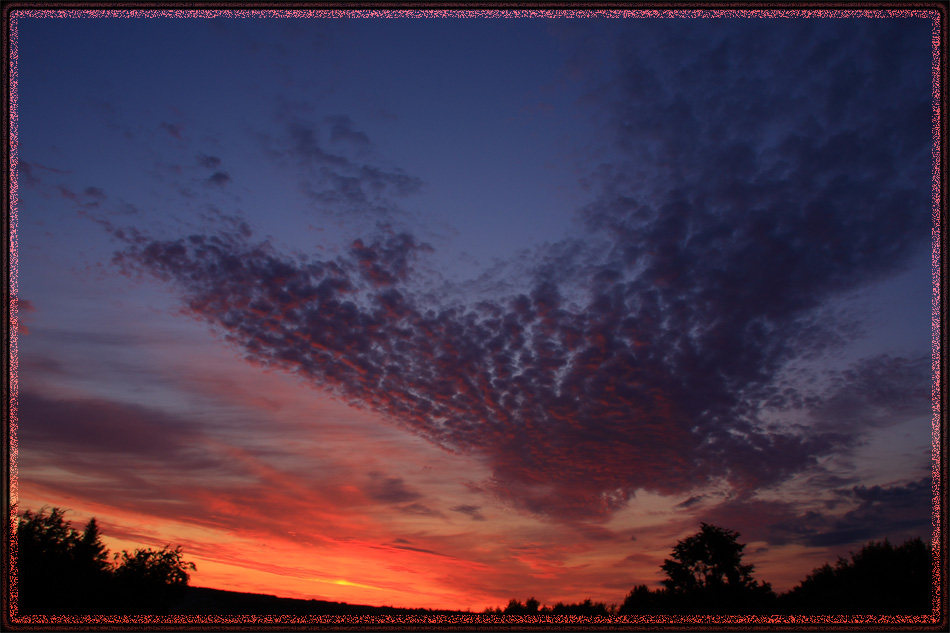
column 935, row 11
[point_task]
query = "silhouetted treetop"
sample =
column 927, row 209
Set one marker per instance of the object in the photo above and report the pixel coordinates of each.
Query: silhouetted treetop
column 710, row 559
column 154, row 568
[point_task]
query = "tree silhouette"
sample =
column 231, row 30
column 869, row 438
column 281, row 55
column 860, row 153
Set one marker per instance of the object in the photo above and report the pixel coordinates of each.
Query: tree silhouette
column 50, row 561
column 515, row 607
column 533, row 607
column 642, row 601
column 91, row 549
column 878, row 580
column 151, row 580
column 710, row 559
column 587, row 607
column 705, row 574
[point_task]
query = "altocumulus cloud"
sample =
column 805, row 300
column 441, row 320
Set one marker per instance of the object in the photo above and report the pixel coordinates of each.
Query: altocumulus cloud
column 736, row 209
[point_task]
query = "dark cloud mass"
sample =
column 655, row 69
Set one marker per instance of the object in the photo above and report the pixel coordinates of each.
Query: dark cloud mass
column 895, row 512
column 737, row 208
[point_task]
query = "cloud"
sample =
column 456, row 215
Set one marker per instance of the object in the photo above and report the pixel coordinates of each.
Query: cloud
column 342, row 131
column 875, row 392
column 28, row 172
column 737, row 209
column 23, row 305
column 387, row 261
column 389, row 489
column 208, row 162
column 145, row 460
column 597, row 533
column 338, row 183
column 20, row 308
column 418, row 508
column 219, row 178
column 173, row 129
column 95, row 192
column 68, row 193
column 895, row 512
column 421, row 550
column 569, row 413
column 471, row 511
column 88, row 199
column 690, row 502
column 100, row 426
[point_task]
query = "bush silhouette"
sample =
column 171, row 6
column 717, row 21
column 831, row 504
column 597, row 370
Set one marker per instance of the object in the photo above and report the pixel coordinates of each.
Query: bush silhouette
column 63, row 571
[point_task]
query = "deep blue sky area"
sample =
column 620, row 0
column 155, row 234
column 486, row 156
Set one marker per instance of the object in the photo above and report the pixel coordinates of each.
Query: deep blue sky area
column 537, row 294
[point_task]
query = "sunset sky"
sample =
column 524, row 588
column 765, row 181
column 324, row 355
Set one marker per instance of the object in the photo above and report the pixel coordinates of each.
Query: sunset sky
column 442, row 311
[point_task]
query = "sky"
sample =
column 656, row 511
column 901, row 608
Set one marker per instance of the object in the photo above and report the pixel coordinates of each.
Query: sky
column 442, row 311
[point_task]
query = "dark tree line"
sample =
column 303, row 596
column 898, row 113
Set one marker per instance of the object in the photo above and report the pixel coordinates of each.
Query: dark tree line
column 880, row 579
column 533, row 607
column 705, row 576
column 62, row 571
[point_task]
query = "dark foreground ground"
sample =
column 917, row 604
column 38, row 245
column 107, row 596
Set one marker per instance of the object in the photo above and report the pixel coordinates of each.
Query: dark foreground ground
column 204, row 601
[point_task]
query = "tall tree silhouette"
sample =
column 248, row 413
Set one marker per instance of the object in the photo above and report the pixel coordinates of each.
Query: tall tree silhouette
column 92, row 569
column 90, row 547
